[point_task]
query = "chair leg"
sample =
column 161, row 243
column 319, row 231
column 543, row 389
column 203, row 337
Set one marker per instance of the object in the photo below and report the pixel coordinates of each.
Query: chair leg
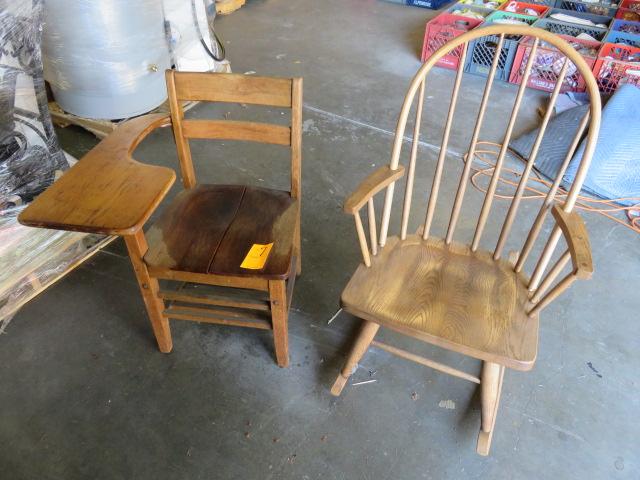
column 279, row 320
column 490, row 389
column 365, row 337
column 137, row 247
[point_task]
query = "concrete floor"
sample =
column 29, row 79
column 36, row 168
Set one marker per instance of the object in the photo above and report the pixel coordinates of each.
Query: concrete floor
column 86, row 394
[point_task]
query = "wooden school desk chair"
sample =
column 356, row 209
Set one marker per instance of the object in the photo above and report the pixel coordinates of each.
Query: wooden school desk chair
column 234, row 236
column 454, row 294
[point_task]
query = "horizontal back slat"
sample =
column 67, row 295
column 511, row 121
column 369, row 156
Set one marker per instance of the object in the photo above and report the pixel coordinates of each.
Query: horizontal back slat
column 233, row 88
column 233, row 130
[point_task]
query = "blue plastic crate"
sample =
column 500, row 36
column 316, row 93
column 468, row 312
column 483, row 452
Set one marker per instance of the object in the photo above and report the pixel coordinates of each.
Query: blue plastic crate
column 432, row 4
column 622, row 37
column 596, row 8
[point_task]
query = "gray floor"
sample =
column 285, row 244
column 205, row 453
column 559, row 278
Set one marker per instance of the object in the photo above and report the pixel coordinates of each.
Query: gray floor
column 86, row 394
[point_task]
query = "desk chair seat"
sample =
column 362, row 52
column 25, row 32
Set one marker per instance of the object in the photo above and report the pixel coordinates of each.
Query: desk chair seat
column 209, row 229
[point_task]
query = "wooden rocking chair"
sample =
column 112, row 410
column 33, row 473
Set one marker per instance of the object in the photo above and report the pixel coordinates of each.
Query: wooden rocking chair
column 458, row 296
column 233, row 236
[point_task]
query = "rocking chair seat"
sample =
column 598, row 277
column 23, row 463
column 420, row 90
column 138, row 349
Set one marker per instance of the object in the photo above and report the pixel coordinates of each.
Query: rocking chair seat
column 448, row 296
column 210, row 229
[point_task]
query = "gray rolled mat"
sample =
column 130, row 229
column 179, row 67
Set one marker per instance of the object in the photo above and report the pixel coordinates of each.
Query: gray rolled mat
column 615, row 166
column 555, row 143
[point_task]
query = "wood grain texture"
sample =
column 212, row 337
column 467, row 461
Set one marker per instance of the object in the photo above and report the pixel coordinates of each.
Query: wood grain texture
column 426, row 362
column 149, row 288
column 189, row 230
column 366, row 335
column 279, row 320
column 236, row 318
column 210, row 228
column 184, row 297
column 233, row 88
column 448, row 296
column 106, row 191
column 491, row 379
column 371, row 185
column 296, row 138
column 577, row 238
column 249, row 283
column 234, row 130
column 182, row 144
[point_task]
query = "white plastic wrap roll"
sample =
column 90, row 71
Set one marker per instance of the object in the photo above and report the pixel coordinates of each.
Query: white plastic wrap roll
column 106, row 59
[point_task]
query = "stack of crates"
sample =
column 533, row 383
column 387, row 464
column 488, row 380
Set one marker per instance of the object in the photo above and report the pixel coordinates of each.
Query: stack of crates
column 610, row 43
column 450, row 24
column 617, row 64
column 482, row 50
column 548, row 61
column 442, row 29
column 619, row 58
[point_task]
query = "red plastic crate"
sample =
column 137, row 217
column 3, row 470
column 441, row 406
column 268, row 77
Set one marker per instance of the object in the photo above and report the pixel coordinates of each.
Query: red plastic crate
column 522, row 7
column 630, row 4
column 629, row 10
column 612, row 68
column 548, row 64
column 442, row 29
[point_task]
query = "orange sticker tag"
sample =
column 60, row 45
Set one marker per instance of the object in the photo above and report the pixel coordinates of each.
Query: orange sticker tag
column 257, row 256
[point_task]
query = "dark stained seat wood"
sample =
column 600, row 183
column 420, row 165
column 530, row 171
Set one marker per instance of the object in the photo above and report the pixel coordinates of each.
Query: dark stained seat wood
column 449, row 296
column 210, row 229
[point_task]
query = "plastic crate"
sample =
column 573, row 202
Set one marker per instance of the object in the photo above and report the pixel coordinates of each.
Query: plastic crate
column 502, row 15
column 521, row 7
column 461, row 7
column 596, row 8
column 482, row 50
column 597, row 19
column 613, row 68
column 628, row 14
column 625, row 32
column 570, row 29
column 432, row 4
column 442, row 29
column 626, row 26
column 547, row 3
column 631, row 5
column 548, row 63
column 488, row 4
column 629, row 10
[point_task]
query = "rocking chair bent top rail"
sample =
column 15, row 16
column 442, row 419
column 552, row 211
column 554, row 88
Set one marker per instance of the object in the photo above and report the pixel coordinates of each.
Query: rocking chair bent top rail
column 455, row 295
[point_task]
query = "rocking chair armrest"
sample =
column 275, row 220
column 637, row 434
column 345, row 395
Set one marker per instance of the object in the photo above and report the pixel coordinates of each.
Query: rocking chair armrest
column 371, row 185
column 107, row 191
column 577, row 238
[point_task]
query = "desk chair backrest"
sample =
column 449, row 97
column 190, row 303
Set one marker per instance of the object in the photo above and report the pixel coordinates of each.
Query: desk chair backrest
column 242, row 89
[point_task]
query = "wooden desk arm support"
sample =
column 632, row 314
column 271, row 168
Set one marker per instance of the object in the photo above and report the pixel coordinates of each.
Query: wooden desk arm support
column 371, row 185
column 577, row 238
column 107, row 191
